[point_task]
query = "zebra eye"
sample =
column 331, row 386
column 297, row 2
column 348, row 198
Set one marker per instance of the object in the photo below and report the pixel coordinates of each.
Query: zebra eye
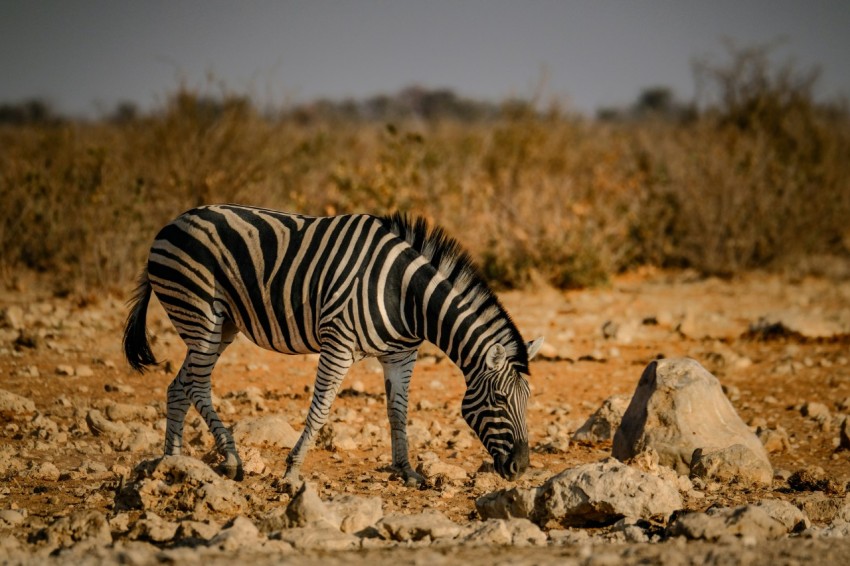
column 500, row 397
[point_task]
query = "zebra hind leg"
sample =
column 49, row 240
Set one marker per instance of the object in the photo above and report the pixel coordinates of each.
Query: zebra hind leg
column 398, row 368
column 198, row 389
column 177, row 405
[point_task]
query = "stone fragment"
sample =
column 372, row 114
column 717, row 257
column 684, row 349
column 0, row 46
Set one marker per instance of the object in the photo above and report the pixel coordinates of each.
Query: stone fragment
column 318, row 538
column 735, row 464
column 190, row 531
column 238, row 533
column 727, row 523
column 263, row 432
column 100, row 425
column 791, row 517
column 307, row 509
column 129, row 412
column 13, row 403
column 180, row 484
column 428, row 525
column 602, row 424
column 356, row 512
column 775, row 441
column 433, row 469
column 516, row 502
column 153, row 528
column 504, row 532
column 83, row 371
column 64, row 370
column 11, row 517
column 678, row 407
column 818, row 507
column 88, row 528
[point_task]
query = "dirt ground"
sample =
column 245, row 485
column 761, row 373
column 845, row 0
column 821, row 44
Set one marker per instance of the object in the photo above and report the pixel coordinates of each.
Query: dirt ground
column 775, row 343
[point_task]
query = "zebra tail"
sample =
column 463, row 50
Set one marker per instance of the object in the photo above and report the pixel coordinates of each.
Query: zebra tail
column 137, row 349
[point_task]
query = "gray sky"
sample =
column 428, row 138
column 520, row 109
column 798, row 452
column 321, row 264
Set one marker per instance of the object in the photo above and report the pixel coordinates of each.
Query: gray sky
column 84, row 56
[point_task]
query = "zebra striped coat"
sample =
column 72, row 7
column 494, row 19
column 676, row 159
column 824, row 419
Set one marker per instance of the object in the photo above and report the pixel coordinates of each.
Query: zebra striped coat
column 347, row 287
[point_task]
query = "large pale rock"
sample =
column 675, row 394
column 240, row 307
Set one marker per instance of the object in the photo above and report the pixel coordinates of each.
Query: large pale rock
column 791, row 517
column 604, row 492
column 591, row 494
column 746, row 521
column 101, row 426
column 180, row 484
column 130, row 412
column 429, row 525
column 502, row 532
column 268, row 431
column 679, row 406
column 153, row 528
column 735, row 464
column 604, row 422
column 13, row 403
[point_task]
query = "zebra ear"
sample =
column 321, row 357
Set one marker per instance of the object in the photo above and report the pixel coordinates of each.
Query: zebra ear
column 496, row 356
column 533, row 347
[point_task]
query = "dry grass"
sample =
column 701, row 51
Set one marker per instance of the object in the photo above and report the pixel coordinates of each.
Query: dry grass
column 760, row 178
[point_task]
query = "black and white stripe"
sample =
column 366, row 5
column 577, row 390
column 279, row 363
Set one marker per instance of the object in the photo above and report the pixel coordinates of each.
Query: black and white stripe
column 346, row 287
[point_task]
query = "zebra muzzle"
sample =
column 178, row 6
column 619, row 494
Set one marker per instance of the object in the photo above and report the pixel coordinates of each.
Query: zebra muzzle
column 514, row 464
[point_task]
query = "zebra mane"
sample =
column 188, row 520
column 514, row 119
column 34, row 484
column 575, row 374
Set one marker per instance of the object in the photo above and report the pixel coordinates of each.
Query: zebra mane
column 454, row 262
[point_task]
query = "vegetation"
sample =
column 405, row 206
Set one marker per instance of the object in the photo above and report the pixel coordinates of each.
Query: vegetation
column 755, row 175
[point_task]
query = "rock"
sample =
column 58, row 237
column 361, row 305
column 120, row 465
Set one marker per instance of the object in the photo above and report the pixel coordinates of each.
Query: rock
column 12, row 403
column 727, row 523
column 180, row 484
column 679, row 406
column 591, row 494
column 153, row 528
column 816, row 411
column 516, row 502
column 88, row 528
column 267, row 431
column 735, row 464
column 356, row 512
column 775, row 441
column 45, row 471
column 65, row 370
column 142, row 438
column 318, row 538
column 100, row 425
column 11, row 517
column 814, row 478
column 602, row 493
column 428, row 525
column 83, row 371
column 604, row 422
column 818, row 507
column 12, row 317
column 433, row 469
column 190, row 531
column 238, row 533
column 307, row 509
column 127, row 412
column 501, row 532
column 791, row 517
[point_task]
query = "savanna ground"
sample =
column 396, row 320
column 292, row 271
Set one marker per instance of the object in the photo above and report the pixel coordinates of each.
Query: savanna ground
column 663, row 230
column 656, row 314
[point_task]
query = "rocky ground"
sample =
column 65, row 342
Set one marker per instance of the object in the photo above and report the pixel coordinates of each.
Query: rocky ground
column 82, row 435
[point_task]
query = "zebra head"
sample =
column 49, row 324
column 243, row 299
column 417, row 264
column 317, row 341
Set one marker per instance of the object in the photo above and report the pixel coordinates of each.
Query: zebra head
column 494, row 406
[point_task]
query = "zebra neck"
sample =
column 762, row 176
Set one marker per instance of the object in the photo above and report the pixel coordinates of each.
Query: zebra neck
column 456, row 323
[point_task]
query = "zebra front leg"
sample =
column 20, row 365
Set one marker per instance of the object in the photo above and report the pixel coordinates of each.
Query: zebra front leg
column 199, row 391
column 398, row 368
column 333, row 365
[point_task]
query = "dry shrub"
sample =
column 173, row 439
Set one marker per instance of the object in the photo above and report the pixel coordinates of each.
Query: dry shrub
column 758, row 178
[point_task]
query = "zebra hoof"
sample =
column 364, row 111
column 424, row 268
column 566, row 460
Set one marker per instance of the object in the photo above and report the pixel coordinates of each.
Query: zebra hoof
column 412, row 479
column 231, row 468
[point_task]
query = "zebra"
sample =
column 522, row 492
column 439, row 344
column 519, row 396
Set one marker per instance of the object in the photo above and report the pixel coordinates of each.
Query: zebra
column 346, row 287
